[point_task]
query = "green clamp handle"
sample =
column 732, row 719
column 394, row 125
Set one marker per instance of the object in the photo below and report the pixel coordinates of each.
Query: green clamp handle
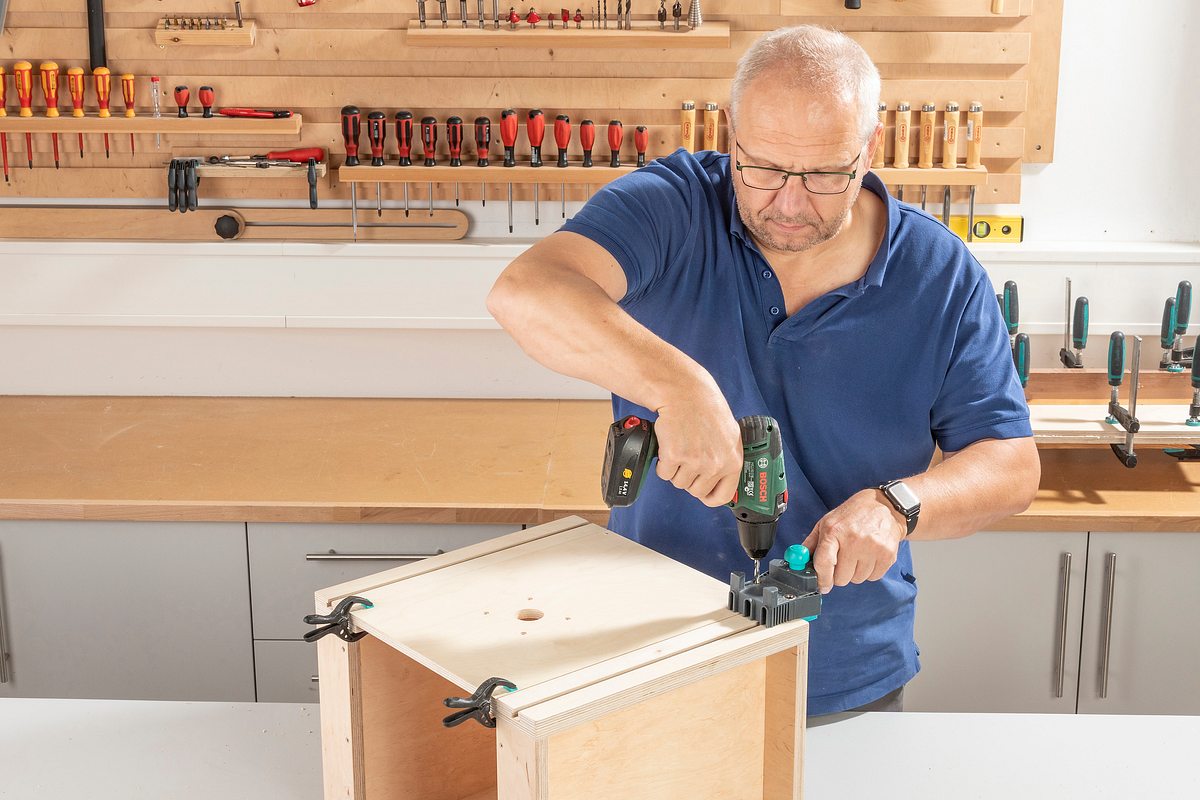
column 1010, row 306
column 1166, row 334
column 1196, row 364
column 1116, row 358
column 1079, row 324
column 1021, row 358
column 1183, row 307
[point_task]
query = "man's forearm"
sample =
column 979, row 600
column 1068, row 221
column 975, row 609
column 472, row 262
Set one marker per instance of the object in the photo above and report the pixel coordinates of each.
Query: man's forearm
column 976, row 487
column 566, row 322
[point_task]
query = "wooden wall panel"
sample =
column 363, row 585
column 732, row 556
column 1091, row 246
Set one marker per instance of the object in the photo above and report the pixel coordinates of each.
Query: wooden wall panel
column 319, row 58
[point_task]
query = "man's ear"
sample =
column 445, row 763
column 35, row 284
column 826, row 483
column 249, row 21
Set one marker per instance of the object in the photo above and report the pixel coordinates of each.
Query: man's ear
column 876, row 142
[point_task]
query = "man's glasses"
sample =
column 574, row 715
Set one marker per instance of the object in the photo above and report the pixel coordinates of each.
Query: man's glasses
column 771, row 179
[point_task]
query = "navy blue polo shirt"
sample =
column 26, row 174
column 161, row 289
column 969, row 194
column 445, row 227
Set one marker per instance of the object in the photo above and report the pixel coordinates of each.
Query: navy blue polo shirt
column 864, row 381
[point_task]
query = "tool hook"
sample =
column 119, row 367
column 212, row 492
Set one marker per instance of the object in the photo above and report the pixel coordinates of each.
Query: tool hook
column 337, row 622
column 478, row 706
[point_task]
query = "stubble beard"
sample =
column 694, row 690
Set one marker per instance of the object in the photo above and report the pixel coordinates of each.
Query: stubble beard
column 821, row 231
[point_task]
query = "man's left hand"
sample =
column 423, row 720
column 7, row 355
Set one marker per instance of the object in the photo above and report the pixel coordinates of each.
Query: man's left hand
column 857, row 541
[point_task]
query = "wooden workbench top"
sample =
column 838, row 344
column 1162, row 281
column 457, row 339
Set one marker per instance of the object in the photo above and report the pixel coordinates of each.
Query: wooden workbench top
column 403, row 460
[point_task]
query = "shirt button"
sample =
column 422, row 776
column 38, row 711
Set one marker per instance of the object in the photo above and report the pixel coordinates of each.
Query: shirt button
column 766, row 273
column 774, row 309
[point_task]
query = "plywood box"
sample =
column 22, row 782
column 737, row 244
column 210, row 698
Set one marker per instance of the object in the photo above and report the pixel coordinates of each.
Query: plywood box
column 633, row 678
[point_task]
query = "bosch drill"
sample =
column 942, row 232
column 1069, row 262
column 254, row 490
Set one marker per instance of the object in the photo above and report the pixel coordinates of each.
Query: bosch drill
column 761, row 494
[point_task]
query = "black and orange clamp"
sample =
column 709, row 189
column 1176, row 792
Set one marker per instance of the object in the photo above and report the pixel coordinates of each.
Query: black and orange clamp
column 337, row 621
column 479, row 705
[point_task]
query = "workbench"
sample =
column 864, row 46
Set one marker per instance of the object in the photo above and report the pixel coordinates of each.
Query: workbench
column 412, row 460
column 130, row 750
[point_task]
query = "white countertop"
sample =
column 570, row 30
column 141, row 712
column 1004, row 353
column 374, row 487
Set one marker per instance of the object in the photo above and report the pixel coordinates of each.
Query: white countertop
column 139, row 750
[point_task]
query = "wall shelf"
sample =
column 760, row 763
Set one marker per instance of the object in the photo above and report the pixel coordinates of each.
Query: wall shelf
column 496, row 173
column 644, row 35
column 144, row 123
column 937, row 176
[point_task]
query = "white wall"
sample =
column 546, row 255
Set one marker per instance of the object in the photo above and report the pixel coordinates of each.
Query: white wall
column 409, row 320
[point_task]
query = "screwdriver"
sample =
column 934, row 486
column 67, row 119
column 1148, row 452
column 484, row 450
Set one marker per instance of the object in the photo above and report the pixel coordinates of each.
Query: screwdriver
column 429, row 149
column 3, row 113
column 155, row 94
column 76, row 87
column 974, row 155
column 562, row 138
column 376, row 134
column 351, row 122
column 925, row 150
column 207, row 97
column 949, row 153
column 508, row 135
column 641, row 140
column 182, row 94
column 404, row 137
column 49, row 74
column 587, row 138
column 23, row 80
column 535, row 129
column 615, row 134
column 103, row 78
column 483, row 145
column 127, row 92
column 454, row 138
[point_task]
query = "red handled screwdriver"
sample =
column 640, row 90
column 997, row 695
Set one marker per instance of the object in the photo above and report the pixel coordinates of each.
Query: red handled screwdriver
column 404, row 138
column 615, row 134
column 49, row 70
column 351, row 127
column 127, row 92
column 103, row 79
column 207, row 97
column 562, row 138
column 376, row 134
column 587, row 138
column 75, row 85
column 23, row 80
column 182, row 94
column 535, row 129
column 454, row 137
column 483, row 146
column 641, row 140
column 3, row 113
column 429, row 149
column 508, row 135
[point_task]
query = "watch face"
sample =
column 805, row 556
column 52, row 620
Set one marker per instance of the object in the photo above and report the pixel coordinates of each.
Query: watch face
column 904, row 496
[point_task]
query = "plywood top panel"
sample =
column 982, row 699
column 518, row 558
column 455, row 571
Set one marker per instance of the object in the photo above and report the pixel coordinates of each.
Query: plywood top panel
column 548, row 608
column 1084, row 424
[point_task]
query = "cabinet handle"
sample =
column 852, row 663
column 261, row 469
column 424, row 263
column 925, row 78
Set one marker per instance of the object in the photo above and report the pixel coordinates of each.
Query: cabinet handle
column 4, row 674
column 1108, row 625
column 314, row 679
column 370, row 556
column 1062, row 625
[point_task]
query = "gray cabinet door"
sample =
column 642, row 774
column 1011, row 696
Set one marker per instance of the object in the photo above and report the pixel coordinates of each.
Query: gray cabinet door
column 1143, row 610
column 286, row 672
column 992, row 626
column 126, row 610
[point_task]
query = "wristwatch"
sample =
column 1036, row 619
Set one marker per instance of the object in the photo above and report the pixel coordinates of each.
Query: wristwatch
column 904, row 500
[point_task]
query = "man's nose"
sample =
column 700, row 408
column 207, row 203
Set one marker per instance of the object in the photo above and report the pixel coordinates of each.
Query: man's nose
column 793, row 199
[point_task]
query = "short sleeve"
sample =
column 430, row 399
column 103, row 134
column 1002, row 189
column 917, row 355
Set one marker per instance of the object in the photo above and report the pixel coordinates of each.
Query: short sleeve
column 981, row 397
column 642, row 219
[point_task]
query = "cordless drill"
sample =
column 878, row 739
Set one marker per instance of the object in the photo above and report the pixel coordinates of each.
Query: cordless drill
column 761, row 495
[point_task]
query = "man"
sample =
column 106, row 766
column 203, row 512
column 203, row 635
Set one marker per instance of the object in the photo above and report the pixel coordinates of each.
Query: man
column 708, row 287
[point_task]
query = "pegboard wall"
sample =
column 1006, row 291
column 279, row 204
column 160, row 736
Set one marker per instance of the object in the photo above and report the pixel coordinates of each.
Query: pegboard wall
column 370, row 53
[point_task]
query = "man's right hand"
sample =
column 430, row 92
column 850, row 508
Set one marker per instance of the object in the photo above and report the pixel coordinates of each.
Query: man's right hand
column 700, row 445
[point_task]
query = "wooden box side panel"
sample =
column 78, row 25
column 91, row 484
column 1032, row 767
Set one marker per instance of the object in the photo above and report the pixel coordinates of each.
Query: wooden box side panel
column 700, row 740
column 786, row 706
column 406, row 751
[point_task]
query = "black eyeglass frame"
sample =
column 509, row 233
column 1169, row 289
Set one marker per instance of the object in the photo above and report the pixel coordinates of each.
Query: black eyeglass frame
column 738, row 165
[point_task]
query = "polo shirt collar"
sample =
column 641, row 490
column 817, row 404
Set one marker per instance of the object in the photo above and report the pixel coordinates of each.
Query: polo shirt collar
column 871, row 182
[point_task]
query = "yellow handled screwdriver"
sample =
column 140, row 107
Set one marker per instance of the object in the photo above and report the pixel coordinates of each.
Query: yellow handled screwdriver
column 75, row 85
column 49, row 70
column 23, row 80
column 103, row 78
column 3, row 113
column 127, row 92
